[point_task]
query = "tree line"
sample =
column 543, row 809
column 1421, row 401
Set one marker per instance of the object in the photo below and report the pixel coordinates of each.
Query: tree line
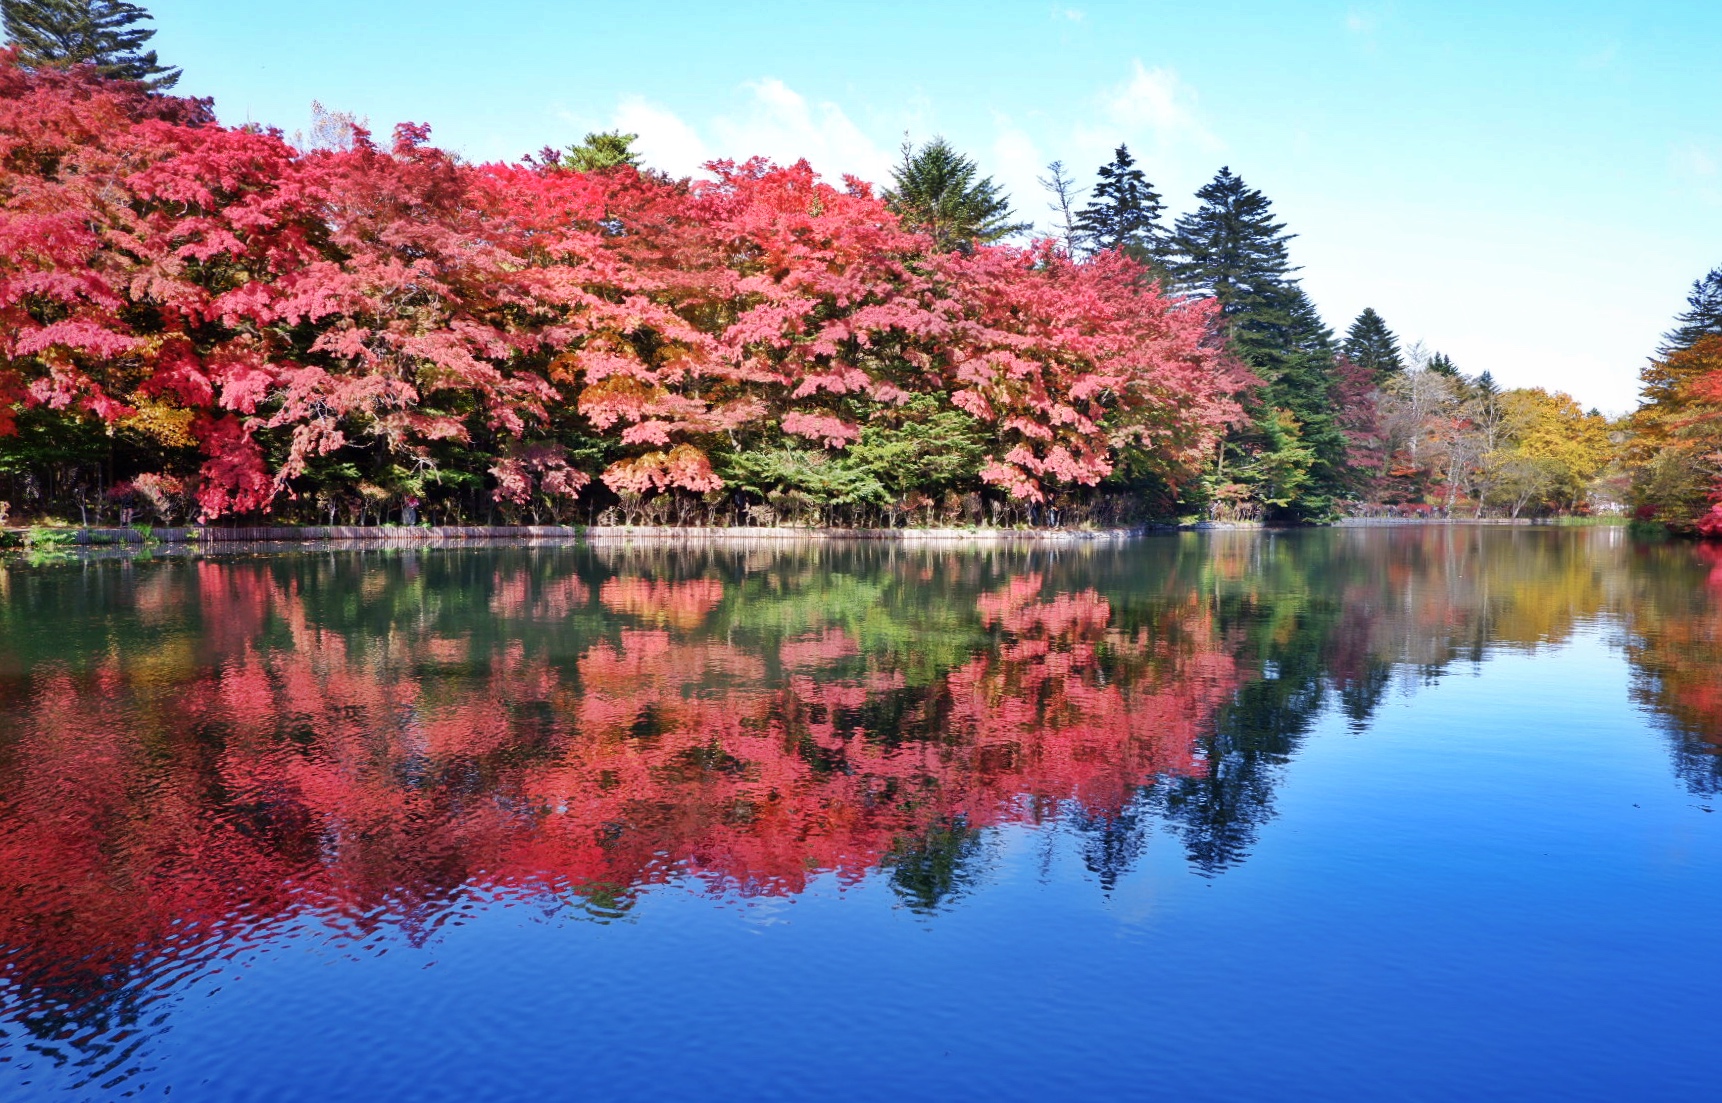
column 208, row 321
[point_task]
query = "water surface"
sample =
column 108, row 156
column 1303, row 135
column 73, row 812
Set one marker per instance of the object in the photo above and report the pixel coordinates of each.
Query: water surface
column 1410, row 813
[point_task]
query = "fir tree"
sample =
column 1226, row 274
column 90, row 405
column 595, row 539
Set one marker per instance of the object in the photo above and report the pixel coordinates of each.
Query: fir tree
column 1442, row 364
column 103, row 33
column 1701, row 318
column 601, row 151
column 1232, row 249
column 1371, row 345
column 1124, row 212
column 941, row 193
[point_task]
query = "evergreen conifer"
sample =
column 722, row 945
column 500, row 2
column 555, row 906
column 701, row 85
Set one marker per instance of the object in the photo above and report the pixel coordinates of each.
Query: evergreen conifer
column 1701, row 318
column 600, row 151
column 1231, row 248
column 941, row 193
column 1371, row 345
column 1124, row 212
column 103, row 33
column 1442, row 364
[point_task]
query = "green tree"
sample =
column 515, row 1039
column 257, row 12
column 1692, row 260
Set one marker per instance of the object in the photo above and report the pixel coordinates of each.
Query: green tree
column 103, row 33
column 941, row 193
column 1124, row 212
column 1232, row 249
column 1371, row 345
column 1442, row 364
column 603, row 150
column 1701, row 318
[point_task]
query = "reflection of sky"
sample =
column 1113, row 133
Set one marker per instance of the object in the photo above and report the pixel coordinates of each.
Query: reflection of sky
column 1495, row 890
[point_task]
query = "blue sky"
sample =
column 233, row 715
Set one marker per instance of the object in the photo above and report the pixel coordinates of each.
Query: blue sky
column 1530, row 188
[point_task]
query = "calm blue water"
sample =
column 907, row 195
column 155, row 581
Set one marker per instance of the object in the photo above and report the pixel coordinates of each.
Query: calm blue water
column 1360, row 814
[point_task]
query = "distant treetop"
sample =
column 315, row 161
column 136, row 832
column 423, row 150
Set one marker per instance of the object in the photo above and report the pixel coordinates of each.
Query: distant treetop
column 103, row 33
column 1124, row 212
column 939, row 192
column 1370, row 344
column 1230, row 247
column 1442, row 364
column 603, row 150
column 1701, row 318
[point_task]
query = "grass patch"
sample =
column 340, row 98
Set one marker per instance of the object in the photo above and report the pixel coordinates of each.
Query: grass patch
column 1607, row 520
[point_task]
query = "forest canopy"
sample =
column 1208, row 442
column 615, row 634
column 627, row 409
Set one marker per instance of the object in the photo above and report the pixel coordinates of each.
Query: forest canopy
column 205, row 321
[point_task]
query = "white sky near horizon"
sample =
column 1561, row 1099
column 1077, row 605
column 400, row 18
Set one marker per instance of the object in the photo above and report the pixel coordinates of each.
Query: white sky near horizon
column 1530, row 188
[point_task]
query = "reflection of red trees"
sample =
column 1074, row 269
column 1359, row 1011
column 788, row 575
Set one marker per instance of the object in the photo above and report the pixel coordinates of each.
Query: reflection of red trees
column 680, row 604
column 270, row 764
column 1676, row 648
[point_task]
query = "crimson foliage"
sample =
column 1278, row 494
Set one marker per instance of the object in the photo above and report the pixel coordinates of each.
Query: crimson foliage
column 283, row 309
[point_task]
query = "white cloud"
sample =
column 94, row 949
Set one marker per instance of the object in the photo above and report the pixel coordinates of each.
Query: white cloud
column 773, row 121
column 1017, row 164
column 1156, row 114
column 778, row 122
column 1693, row 160
column 666, row 142
column 1155, row 104
column 1360, row 22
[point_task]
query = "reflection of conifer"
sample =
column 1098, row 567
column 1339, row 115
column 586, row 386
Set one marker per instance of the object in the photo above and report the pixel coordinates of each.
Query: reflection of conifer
column 1112, row 843
column 930, row 869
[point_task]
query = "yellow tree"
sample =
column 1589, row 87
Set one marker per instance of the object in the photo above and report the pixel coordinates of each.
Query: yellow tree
column 1550, row 453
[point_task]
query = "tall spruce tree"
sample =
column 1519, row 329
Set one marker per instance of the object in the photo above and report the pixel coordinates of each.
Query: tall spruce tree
column 105, row 33
column 1701, row 318
column 1231, row 248
column 1124, row 212
column 941, row 193
column 1371, row 345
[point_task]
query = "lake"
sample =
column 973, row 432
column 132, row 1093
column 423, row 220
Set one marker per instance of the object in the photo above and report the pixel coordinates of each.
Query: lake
column 1358, row 813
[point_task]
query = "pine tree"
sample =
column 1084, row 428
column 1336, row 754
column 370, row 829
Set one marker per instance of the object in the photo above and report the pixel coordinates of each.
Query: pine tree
column 1442, row 364
column 103, row 33
column 1124, row 212
column 1371, row 345
column 599, row 151
column 1701, row 318
column 940, row 192
column 1232, row 249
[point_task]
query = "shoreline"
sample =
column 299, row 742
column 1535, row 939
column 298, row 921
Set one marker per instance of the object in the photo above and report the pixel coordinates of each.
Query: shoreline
column 214, row 535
